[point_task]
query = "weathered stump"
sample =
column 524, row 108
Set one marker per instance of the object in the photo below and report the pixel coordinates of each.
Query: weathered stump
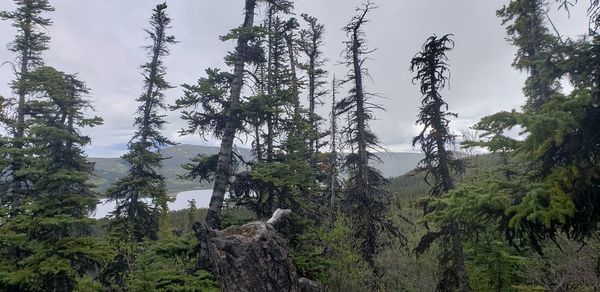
column 251, row 257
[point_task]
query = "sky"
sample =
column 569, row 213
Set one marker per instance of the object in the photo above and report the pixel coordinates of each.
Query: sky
column 101, row 41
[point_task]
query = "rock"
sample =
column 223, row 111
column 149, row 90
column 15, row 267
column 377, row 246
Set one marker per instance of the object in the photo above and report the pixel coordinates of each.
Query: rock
column 307, row 285
column 251, row 257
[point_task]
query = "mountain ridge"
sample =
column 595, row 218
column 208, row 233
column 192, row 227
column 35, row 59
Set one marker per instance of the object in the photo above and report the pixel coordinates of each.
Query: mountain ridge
column 109, row 170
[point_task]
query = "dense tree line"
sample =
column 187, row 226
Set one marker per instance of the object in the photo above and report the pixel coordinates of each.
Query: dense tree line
column 483, row 219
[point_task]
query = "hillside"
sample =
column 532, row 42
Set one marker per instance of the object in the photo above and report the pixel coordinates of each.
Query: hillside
column 395, row 164
column 108, row 170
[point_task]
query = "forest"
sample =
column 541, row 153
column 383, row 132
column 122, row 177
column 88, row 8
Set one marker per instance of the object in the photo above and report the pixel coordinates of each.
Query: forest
column 298, row 202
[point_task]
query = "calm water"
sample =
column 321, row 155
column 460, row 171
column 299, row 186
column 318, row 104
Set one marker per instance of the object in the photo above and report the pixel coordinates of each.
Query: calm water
column 202, row 198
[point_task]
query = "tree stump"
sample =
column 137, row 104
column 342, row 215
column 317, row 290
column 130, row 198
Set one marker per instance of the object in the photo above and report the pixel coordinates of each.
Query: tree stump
column 251, row 257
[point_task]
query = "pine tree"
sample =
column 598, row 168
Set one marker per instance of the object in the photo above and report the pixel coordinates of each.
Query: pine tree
column 560, row 152
column 54, row 249
column 439, row 164
column 278, row 74
column 333, row 164
column 366, row 198
column 135, row 219
column 29, row 44
column 209, row 115
column 536, row 49
column 553, row 194
column 311, row 43
column 279, row 138
column 243, row 53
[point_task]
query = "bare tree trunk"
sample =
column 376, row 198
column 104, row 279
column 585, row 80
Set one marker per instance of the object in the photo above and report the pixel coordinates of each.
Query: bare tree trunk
column 223, row 172
column 333, row 159
column 360, row 111
column 314, row 142
column 289, row 39
column 459, row 258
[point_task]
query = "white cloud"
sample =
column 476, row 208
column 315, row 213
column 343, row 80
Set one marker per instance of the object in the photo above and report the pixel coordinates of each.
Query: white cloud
column 102, row 40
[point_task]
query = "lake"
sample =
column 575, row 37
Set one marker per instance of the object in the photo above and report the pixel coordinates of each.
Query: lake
column 202, row 198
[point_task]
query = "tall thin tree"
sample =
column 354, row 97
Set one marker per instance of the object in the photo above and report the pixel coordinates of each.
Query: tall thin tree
column 134, row 217
column 311, row 45
column 366, row 198
column 439, row 164
column 223, row 169
column 333, row 164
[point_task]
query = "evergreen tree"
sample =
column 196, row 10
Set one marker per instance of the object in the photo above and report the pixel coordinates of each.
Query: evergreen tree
column 439, row 164
column 135, row 219
column 245, row 52
column 550, row 190
column 279, row 173
column 311, row 43
column 278, row 96
column 557, row 191
column 29, row 44
column 50, row 247
column 208, row 99
column 192, row 213
column 366, row 198
column 536, row 49
column 333, row 164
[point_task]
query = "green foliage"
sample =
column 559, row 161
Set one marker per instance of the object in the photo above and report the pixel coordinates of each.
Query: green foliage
column 348, row 271
column 366, row 199
column 136, row 219
column 253, row 52
column 235, row 219
column 557, row 153
column 169, row 266
column 29, row 44
column 87, row 284
column 47, row 245
column 30, row 40
column 308, row 255
column 210, row 95
column 440, row 164
column 537, row 51
column 493, row 264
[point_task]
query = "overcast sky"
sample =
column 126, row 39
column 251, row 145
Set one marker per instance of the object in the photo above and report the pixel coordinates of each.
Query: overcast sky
column 101, row 40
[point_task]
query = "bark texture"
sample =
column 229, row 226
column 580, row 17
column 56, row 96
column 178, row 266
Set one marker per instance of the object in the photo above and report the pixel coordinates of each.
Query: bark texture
column 252, row 257
column 223, row 172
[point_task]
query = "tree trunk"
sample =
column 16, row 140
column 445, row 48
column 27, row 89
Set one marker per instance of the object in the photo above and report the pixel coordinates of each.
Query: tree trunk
column 148, row 105
column 360, row 111
column 18, row 184
column 333, row 166
column 448, row 184
column 459, row 259
column 223, row 172
column 289, row 39
column 314, row 142
column 251, row 257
